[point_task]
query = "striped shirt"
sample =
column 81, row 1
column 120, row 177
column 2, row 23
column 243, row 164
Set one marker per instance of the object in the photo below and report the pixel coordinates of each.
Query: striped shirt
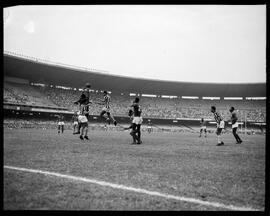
column 218, row 117
column 107, row 100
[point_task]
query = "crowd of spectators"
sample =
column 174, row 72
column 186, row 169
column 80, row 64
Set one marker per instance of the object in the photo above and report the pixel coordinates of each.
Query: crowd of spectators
column 24, row 94
column 250, row 110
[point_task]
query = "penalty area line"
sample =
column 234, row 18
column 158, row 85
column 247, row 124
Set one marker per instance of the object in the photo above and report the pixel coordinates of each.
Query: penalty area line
column 133, row 189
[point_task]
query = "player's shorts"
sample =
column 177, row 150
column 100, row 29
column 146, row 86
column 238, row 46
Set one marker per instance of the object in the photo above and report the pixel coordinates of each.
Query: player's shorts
column 84, row 124
column 75, row 123
column 203, row 127
column 221, row 125
column 137, row 120
column 235, row 125
column 105, row 109
column 61, row 123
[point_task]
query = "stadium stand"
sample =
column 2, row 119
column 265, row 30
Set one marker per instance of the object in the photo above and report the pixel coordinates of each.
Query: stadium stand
column 253, row 110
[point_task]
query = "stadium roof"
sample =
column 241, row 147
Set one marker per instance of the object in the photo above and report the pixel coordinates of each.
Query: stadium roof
column 36, row 70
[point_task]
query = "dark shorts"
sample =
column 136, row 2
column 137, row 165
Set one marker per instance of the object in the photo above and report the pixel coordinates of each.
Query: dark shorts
column 84, row 124
column 218, row 132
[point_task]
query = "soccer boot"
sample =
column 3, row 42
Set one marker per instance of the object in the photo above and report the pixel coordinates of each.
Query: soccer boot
column 220, row 144
column 81, row 137
column 86, row 137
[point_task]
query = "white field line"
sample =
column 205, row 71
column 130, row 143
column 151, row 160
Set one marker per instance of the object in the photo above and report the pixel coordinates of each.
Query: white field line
column 137, row 190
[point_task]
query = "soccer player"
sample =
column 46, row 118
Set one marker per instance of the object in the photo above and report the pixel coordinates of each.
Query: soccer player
column 136, row 122
column 203, row 127
column 60, row 123
column 220, row 124
column 75, row 122
column 130, row 114
column 235, row 125
column 149, row 127
column 106, row 109
column 84, row 100
column 83, row 122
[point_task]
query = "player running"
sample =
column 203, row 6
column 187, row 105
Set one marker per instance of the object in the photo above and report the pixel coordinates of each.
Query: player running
column 83, row 122
column 220, row 124
column 106, row 109
column 203, row 127
column 235, row 125
column 136, row 122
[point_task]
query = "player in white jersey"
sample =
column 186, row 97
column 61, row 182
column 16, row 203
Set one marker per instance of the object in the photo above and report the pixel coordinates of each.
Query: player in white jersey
column 106, row 109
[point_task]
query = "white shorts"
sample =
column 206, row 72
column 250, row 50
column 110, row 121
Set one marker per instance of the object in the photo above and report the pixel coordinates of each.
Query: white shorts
column 137, row 120
column 235, row 125
column 75, row 123
column 61, row 123
column 221, row 125
column 106, row 109
column 203, row 127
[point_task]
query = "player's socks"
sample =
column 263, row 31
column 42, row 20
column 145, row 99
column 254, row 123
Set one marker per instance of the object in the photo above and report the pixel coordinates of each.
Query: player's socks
column 115, row 122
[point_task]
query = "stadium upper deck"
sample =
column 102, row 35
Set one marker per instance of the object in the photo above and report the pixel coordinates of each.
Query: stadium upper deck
column 37, row 70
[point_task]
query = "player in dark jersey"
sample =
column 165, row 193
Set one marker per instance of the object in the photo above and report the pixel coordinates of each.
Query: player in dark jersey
column 106, row 109
column 149, row 126
column 130, row 114
column 203, row 127
column 60, row 123
column 235, row 125
column 136, row 122
column 220, row 124
column 84, row 100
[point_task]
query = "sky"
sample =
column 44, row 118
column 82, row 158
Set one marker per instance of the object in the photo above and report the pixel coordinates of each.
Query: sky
column 192, row 43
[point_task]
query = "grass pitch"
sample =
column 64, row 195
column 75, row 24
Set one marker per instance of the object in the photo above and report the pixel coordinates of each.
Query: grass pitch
column 179, row 164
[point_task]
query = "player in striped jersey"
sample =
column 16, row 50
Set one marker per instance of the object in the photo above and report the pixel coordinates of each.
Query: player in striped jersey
column 220, row 124
column 235, row 125
column 106, row 108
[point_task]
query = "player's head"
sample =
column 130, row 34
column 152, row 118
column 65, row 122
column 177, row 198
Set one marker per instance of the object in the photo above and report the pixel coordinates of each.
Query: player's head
column 213, row 109
column 105, row 92
column 231, row 109
column 202, row 120
column 87, row 86
column 136, row 100
column 130, row 113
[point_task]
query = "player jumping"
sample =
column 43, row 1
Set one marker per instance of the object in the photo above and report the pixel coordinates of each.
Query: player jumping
column 84, row 100
column 203, row 127
column 235, row 125
column 220, row 124
column 106, row 109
